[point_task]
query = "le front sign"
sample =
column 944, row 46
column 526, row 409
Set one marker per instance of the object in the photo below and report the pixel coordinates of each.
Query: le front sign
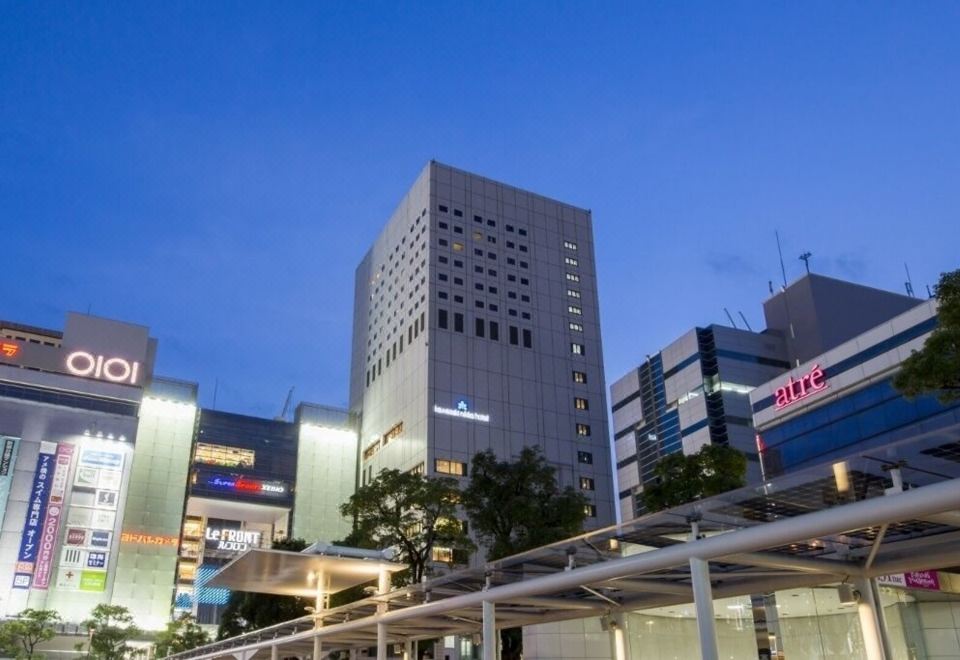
column 800, row 388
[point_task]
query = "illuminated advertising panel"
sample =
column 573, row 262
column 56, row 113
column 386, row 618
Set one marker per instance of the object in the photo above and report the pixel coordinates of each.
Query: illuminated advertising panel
column 240, row 484
column 91, row 520
column 51, row 523
column 8, row 460
column 37, row 508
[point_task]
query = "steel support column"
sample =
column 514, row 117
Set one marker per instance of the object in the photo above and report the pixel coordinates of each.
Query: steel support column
column 870, row 612
column 317, row 648
column 383, row 586
column 274, row 652
column 489, row 637
column 703, row 599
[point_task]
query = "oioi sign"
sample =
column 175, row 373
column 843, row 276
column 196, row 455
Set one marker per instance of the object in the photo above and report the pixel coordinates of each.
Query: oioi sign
column 113, row 369
column 795, row 390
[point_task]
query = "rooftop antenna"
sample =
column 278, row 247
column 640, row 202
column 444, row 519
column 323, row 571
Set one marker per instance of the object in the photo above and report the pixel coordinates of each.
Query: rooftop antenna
column 286, row 406
column 727, row 312
column 783, row 269
column 909, row 283
column 805, row 258
column 929, row 292
column 744, row 319
column 770, row 286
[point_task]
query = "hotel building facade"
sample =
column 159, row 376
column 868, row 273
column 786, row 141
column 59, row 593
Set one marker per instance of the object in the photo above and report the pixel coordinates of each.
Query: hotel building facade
column 476, row 326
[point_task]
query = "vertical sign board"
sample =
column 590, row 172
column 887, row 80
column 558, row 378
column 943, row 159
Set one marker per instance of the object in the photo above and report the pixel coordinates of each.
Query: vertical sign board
column 55, row 510
column 36, row 508
column 91, row 521
column 8, row 459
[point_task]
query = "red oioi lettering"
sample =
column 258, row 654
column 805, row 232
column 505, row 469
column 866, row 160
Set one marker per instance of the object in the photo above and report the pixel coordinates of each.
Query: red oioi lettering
column 800, row 388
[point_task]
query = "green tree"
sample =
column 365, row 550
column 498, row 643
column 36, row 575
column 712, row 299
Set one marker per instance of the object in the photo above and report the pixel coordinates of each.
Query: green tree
column 683, row 478
column 111, row 627
column 19, row 637
column 246, row 611
column 182, row 634
column 936, row 367
column 517, row 505
column 410, row 512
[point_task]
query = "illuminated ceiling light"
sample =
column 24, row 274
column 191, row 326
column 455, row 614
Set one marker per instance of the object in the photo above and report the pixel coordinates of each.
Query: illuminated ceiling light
column 99, row 434
column 109, row 436
column 123, row 438
column 86, row 432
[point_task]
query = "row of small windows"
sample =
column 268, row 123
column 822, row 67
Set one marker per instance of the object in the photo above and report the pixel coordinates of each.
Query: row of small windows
column 485, row 329
column 479, row 236
column 479, row 220
column 391, row 354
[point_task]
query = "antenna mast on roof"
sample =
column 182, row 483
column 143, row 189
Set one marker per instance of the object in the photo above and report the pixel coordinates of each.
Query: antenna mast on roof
column 805, row 258
column 909, row 283
column 744, row 319
column 783, row 269
column 732, row 322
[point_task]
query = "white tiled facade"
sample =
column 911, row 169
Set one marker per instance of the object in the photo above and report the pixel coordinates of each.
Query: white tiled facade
column 455, row 242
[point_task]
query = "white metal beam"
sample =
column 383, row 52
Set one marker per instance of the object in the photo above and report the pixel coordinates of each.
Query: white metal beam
column 908, row 505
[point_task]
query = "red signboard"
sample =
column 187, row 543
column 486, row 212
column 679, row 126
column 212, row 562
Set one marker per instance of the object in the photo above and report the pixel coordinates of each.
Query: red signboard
column 928, row 580
column 9, row 349
column 801, row 388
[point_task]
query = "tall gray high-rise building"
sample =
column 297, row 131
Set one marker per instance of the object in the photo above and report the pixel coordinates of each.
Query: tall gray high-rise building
column 476, row 326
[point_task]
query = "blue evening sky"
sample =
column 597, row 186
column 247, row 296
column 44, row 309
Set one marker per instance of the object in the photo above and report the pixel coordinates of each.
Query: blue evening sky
column 216, row 170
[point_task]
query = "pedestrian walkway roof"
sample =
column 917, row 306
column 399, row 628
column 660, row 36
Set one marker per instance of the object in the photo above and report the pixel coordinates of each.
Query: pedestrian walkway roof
column 832, row 523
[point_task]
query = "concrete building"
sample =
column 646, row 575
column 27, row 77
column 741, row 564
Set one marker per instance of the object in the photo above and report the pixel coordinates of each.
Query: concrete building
column 842, row 402
column 697, row 390
column 115, row 487
column 692, row 393
column 476, row 327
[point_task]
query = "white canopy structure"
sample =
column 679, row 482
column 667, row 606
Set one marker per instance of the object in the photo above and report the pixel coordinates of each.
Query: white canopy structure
column 895, row 510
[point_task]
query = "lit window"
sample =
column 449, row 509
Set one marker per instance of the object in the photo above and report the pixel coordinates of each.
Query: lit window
column 577, row 349
column 581, row 404
column 444, row 555
column 583, row 429
column 576, row 327
column 573, row 309
column 586, row 483
column 585, row 457
column 573, row 277
column 579, row 377
column 570, row 261
column 478, row 236
column 457, row 247
column 395, row 432
column 456, row 468
column 573, row 293
column 570, row 245
column 224, row 456
column 590, row 510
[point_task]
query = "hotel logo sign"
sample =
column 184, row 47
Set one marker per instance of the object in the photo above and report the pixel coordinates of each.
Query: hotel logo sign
column 461, row 410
